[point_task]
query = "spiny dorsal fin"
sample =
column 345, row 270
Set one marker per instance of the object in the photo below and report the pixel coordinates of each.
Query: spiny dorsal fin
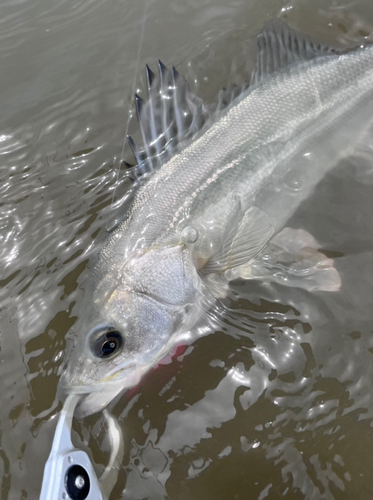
column 280, row 46
column 171, row 114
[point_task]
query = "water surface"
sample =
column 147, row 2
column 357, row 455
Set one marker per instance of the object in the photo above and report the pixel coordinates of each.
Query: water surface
column 277, row 402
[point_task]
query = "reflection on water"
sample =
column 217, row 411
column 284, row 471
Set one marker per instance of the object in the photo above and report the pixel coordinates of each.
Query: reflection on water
column 278, row 401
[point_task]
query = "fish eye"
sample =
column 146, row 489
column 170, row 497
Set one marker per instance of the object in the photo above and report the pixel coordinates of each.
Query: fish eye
column 107, row 344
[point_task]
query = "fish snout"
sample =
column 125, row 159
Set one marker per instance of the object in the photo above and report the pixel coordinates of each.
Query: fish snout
column 72, row 380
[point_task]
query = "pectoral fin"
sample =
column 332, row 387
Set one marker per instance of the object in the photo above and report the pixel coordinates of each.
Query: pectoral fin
column 246, row 235
column 292, row 259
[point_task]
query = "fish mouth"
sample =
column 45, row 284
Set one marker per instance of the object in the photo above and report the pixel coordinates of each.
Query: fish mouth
column 96, row 396
column 126, row 376
column 93, row 398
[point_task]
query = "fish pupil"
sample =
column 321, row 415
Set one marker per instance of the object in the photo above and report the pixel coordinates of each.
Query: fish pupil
column 108, row 344
column 108, row 348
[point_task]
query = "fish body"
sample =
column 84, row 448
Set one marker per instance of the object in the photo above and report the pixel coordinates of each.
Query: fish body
column 216, row 206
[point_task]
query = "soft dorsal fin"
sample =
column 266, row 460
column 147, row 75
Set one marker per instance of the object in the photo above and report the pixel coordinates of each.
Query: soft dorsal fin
column 280, row 46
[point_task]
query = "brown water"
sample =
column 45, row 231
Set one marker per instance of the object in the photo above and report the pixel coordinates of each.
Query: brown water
column 278, row 402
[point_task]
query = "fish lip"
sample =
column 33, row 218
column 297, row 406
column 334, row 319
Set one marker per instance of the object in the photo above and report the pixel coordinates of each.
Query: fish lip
column 88, row 389
column 113, row 379
column 73, row 383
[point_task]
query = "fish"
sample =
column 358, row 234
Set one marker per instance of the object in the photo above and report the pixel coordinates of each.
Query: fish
column 214, row 186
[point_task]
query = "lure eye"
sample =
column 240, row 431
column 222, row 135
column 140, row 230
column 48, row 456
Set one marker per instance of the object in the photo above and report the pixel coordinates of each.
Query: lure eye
column 108, row 344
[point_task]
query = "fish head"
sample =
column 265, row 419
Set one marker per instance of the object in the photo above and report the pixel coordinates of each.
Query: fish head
column 130, row 317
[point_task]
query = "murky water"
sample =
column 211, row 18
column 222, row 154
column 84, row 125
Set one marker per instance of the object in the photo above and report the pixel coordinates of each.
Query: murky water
column 278, row 402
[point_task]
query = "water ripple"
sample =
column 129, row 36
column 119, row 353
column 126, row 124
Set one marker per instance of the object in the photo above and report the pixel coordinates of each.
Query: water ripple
column 278, row 401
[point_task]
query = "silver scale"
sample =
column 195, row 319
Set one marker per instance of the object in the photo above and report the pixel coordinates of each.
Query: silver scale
column 68, row 472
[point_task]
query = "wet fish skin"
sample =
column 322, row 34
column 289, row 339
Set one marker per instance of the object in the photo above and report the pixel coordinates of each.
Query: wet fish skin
column 268, row 150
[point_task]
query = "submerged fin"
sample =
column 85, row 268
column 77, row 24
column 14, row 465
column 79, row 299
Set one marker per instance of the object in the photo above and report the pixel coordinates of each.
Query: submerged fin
column 245, row 237
column 280, row 46
column 292, row 259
